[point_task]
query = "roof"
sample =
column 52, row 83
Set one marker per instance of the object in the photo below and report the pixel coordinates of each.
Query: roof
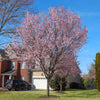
column 11, row 72
column 3, row 54
column 36, row 69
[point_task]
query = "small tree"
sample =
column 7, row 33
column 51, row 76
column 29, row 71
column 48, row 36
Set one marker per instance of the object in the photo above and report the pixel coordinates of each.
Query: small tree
column 89, row 78
column 68, row 66
column 91, row 73
column 47, row 37
column 97, row 68
column 56, row 84
column 89, row 83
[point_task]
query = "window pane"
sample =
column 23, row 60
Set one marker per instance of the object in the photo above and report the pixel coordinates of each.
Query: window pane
column 12, row 65
column 37, row 64
column 22, row 78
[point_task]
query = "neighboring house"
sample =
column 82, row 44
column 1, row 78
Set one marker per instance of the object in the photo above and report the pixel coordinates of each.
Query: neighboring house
column 12, row 69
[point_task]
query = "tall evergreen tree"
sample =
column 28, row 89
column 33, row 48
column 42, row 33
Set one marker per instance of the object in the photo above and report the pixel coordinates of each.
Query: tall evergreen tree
column 97, row 72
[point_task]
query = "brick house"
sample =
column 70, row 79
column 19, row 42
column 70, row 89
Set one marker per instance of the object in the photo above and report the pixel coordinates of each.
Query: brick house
column 12, row 69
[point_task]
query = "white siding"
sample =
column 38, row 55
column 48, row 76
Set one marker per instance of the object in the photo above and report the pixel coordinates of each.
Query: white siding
column 39, row 82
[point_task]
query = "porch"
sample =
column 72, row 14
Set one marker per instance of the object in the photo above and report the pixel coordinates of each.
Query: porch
column 7, row 75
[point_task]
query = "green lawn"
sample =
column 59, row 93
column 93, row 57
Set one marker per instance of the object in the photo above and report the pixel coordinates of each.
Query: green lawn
column 34, row 95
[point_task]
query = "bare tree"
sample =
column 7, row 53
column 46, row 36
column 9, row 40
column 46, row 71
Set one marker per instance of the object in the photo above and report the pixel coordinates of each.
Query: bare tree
column 91, row 72
column 11, row 13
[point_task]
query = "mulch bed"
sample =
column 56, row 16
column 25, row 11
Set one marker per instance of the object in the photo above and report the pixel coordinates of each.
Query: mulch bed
column 3, row 90
column 51, row 96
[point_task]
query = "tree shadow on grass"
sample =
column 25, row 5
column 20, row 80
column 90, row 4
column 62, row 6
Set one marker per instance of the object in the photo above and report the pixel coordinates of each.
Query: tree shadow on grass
column 51, row 96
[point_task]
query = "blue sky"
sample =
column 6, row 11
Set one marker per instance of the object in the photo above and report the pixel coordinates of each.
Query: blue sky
column 89, row 11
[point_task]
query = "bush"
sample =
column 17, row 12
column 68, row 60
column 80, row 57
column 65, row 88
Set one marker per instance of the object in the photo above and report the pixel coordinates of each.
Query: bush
column 55, row 83
column 89, row 84
column 81, row 84
column 75, row 85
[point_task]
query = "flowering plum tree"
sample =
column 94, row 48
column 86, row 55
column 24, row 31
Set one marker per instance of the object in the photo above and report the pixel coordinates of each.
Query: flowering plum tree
column 46, row 38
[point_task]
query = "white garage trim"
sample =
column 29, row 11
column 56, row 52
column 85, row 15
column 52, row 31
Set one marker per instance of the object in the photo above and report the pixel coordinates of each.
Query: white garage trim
column 39, row 77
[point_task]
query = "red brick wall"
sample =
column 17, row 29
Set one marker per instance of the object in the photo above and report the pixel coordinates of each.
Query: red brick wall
column 23, row 73
column 20, row 72
column 4, row 66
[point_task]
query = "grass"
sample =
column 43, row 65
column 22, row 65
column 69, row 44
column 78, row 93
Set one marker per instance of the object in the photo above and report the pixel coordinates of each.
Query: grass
column 35, row 95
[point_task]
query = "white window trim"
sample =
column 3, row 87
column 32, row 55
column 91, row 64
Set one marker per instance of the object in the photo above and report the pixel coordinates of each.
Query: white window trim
column 22, row 65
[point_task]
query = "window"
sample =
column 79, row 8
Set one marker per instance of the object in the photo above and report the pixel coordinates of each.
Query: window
column 12, row 65
column 22, row 78
column 37, row 64
column 47, row 61
column 42, row 74
column 22, row 65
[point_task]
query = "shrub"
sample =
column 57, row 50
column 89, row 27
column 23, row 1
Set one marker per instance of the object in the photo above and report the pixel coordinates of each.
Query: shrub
column 74, row 85
column 55, row 83
column 89, row 84
column 80, row 85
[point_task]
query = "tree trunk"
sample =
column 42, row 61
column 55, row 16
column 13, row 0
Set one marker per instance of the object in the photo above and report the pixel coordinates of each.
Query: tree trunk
column 47, row 87
column 61, row 85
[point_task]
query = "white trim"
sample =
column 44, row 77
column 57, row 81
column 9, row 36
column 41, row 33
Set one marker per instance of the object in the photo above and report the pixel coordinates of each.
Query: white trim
column 32, row 79
column 39, row 77
column 3, row 80
column 22, row 65
column 10, row 76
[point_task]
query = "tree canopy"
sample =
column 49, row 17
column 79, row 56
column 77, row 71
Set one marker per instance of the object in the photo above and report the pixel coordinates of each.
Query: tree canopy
column 48, row 38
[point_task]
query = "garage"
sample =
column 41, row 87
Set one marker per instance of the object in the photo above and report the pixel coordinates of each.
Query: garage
column 39, row 82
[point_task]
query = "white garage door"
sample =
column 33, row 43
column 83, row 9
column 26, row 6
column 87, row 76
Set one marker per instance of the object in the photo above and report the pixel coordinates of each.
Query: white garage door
column 40, row 82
